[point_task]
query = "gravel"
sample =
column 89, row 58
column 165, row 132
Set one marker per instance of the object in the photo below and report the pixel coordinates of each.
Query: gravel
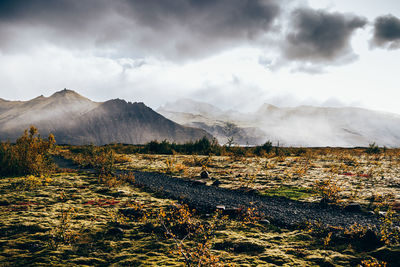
column 279, row 210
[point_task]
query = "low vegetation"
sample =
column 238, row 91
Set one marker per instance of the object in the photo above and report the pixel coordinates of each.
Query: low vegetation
column 30, row 155
column 101, row 216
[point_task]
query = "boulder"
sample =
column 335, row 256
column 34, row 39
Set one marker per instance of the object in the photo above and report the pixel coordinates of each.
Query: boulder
column 389, row 254
column 231, row 212
column 216, row 183
column 199, row 182
column 396, row 206
column 115, row 231
column 220, row 207
column 370, row 240
column 353, row 207
column 204, row 175
column 131, row 212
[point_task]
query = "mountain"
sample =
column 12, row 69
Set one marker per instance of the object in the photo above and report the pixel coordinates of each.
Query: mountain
column 219, row 123
column 294, row 126
column 74, row 119
column 326, row 126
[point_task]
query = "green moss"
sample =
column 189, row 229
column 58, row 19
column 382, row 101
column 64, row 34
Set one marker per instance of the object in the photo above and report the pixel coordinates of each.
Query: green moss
column 295, row 193
column 24, row 233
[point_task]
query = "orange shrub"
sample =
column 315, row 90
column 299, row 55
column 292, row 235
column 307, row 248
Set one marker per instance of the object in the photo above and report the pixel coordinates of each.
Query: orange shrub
column 30, row 155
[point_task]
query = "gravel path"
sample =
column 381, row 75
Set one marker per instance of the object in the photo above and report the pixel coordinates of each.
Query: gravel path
column 278, row 210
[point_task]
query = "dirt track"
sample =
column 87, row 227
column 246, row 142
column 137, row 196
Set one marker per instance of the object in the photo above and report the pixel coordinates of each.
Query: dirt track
column 279, row 210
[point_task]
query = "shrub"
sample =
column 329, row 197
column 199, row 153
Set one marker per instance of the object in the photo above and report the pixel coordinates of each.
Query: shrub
column 202, row 147
column 328, row 190
column 101, row 159
column 61, row 232
column 390, row 234
column 264, row 149
column 30, row 155
column 373, row 149
column 373, row 263
column 32, row 182
column 180, row 225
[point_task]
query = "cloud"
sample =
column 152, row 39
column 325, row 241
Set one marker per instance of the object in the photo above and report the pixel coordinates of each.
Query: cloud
column 387, row 32
column 317, row 36
column 176, row 29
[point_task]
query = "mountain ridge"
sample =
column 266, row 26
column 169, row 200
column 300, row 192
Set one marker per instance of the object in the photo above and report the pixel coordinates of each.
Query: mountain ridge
column 298, row 126
column 74, row 119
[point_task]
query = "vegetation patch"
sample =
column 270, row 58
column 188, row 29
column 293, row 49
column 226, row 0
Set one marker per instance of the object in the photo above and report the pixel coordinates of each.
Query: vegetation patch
column 295, row 193
column 53, row 216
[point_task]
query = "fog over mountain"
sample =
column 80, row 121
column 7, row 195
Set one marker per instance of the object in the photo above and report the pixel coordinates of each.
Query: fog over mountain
column 74, row 119
column 294, row 126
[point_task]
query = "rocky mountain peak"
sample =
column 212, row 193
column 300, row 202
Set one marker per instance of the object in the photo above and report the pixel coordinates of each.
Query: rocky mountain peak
column 67, row 94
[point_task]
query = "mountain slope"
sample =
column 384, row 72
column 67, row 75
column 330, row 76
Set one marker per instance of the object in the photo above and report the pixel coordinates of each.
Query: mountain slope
column 323, row 126
column 219, row 123
column 77, row 120
column 296, row 126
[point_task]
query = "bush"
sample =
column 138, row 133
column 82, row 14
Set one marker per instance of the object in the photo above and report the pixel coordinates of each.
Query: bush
column 202, row 146
column 30, row 155
column 101, row 159
column 328, row 190
column 373, row 149
column 264, row 149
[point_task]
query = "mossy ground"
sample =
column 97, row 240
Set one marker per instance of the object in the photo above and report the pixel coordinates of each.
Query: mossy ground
column 30, row 217
column 360, row 176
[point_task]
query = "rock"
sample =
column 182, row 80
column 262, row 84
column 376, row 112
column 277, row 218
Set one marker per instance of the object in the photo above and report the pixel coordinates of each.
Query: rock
column 199, row 182
column 371, row 240
column 382, row 213
column 252, row 191
column 264, row 221
column 103, row 191
column 231, row 212
column 396, row 206
column 249, row 190
column 131, row 212
column 353, row 207
column 4, row 202
column 115, row 231
column 220, row 207
column 204, row 175
column 216, row 183
column 240, row 247
column 388, row 254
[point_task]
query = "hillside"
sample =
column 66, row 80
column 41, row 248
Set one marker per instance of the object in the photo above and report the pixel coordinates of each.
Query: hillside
column 74, row 119
column 291, row 126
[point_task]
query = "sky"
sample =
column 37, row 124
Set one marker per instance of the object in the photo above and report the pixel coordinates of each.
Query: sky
column 235, row 54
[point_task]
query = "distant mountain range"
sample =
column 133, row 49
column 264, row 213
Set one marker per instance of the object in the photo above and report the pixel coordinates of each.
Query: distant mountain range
column 294, row 126
column 74, row 119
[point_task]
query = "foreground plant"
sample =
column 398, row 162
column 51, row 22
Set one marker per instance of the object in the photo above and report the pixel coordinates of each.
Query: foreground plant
column 30, row 155
column 390, row 234
column 31, row 182
column 62, row 232
column 192, row 238
column 328, row 190
column 373, row 263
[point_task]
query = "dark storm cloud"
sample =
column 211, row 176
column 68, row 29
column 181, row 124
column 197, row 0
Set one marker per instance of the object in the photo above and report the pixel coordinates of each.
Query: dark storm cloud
column 26, row 23
column 171, row 29
column 387, row 32
column 319, row 36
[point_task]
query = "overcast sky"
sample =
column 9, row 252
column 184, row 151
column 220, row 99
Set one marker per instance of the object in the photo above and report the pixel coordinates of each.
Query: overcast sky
column 232, row 53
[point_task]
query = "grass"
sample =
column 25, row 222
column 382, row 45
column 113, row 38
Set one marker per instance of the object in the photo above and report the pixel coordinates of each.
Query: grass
column 80, row 212
column 295, row 193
